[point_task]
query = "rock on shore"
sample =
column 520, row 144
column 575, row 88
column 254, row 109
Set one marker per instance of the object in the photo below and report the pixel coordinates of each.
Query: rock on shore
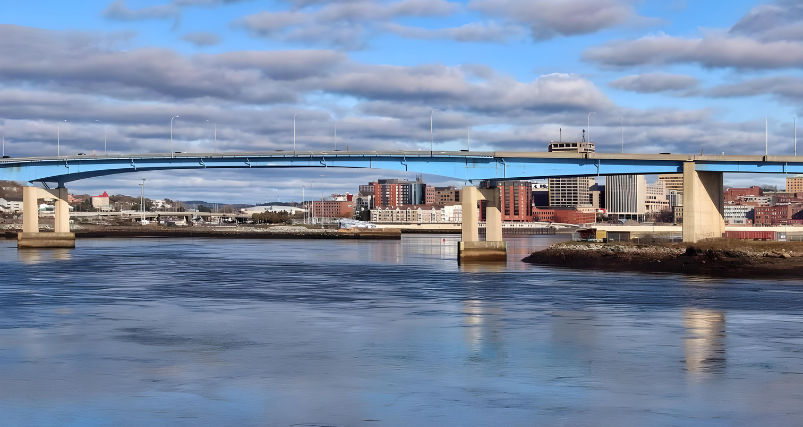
column 724, row 259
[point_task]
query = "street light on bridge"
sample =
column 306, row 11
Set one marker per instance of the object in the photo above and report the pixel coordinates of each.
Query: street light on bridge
column 58, row 139
column 105, row 152
column 589, row 125
column 172, row 153
column 215, row 135
column 430, row 131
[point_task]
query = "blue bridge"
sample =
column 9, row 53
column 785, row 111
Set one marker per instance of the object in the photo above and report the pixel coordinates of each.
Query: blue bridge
column 703, row 205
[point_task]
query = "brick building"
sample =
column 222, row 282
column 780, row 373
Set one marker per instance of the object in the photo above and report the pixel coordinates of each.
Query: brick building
column 516, row 201
column 778, row 214
column 794, row 184
column 736, row 195
column 394, row 192
column 333, row 208
column 563, row 215
column 445, row 195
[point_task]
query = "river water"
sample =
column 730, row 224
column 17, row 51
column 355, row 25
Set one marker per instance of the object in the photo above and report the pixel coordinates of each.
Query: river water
column 228, row 332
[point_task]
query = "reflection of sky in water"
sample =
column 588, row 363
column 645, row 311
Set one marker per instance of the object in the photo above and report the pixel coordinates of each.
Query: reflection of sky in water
column 195, row 332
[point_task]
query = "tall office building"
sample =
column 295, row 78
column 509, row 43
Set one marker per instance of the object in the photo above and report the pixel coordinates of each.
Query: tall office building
column 393, row 192
column 626, row 195
column 657, row 197
column 574, row 191
column 794, row 184
column 672, row 181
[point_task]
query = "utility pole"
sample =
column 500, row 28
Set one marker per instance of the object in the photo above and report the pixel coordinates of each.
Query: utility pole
column 142, row 199
column 431, row 139
column 469, row 138
column 172, row 155
column 621, row 123
column 58, row 139
column 335, row 136
column 294, row 134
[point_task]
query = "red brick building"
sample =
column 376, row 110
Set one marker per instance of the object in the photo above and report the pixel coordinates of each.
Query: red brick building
column 778, row 214
column 732, row 195
column 788, row 198
column 429, row 198
column 516, row 201
column 563, row 215
column 333, row 209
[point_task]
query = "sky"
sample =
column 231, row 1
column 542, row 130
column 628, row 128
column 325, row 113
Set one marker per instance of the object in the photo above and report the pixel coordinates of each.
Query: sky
column 659, row 75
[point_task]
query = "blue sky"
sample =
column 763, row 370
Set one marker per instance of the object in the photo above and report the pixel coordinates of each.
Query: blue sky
column 682, row 76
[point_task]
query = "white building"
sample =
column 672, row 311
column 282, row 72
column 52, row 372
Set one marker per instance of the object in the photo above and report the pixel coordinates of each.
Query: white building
column 656, row 199
column 413, row 214
column 571, row 192
column 675, row 199
column 672, row 181
column 739, row 214
column 274, row 208
column 626, row 196
column 759, row 200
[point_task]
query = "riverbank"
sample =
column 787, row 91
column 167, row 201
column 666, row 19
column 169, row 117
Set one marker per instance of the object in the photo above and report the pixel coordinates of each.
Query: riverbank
column 716, row 258
column 257, row 232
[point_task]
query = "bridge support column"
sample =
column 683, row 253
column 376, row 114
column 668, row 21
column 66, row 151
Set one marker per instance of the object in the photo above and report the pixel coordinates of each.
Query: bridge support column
column 470, row 248
column 30, row 236
column 703, row 204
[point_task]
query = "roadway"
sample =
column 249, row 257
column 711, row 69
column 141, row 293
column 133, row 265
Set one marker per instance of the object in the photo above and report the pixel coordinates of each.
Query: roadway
column 464, row 165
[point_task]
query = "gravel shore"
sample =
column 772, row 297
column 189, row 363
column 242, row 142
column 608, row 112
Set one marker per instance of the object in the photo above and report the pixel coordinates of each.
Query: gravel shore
column 720, row 258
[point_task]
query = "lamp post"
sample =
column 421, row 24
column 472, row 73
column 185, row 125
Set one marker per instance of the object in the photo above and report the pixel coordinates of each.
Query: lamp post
column 794, row 121
column 589, row 125
column 621, row 123
column 105, row 151
column 469, row 138
column 215, row 135
column 58, row 139
column 294, row 134
column 142, row 199
column 303, row 188
column 172, row 153
column 430, row 131
column 335, row 136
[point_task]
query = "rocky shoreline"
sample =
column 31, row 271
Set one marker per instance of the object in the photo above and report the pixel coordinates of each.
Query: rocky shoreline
column 717, row 258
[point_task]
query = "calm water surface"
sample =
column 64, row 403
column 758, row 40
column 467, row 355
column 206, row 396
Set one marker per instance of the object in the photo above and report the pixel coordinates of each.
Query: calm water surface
column 197, row 332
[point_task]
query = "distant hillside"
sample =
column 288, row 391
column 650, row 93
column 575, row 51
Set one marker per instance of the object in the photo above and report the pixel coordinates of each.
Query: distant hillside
column 10, row 189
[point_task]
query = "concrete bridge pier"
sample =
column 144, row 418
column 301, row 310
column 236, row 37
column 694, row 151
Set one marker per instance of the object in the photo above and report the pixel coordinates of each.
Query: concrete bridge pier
column 30, row 236
column 703, row 204
column 470, row 248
